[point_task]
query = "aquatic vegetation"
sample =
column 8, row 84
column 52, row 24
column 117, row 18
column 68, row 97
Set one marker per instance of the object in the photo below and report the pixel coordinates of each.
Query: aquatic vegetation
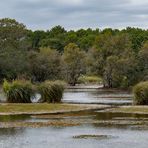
column 51, row 92
column 36, row 124
column 130, row 109
column 98, row 137
column 21, row 91
column 141, row 93
column 18, row 91
column 45, row 108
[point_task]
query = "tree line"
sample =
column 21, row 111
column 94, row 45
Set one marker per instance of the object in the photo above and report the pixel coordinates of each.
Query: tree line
column 120, row 57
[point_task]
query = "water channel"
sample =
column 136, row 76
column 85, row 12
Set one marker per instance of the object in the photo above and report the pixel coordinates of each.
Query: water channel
column 96, row 129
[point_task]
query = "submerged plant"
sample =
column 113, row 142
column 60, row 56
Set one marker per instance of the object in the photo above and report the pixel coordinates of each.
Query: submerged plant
column 51, row 92
column 18, row 91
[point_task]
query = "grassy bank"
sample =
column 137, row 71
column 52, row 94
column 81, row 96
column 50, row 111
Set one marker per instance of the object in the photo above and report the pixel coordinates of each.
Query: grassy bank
column 131, row 109
column 44, row 108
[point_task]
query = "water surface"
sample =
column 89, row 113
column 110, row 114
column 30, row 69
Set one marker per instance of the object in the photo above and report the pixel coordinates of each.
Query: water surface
column 62, row 137
column 98, row 96
column 124, row 130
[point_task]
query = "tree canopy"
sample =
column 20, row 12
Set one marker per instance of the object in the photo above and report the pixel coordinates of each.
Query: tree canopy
column 120, row 57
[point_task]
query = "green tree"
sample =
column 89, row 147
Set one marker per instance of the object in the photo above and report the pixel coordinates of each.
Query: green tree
column 45, row 65
column 36, row 38
column 137, row 37
column 110, row 71
column 121, row 71
column 13, row 49
column 55, row 38
column 95, row 62
column 143, row 62
column 12, row 34
column 74, row 60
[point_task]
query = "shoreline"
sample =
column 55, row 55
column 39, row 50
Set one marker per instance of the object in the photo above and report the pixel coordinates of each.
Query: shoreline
column 131, row 109
column 44, row 109
column 12, row 109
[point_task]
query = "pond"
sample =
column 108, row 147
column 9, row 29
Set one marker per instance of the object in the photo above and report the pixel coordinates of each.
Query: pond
column 90, row 95
column 91, row 133
column 90, row 129
column 97, row 96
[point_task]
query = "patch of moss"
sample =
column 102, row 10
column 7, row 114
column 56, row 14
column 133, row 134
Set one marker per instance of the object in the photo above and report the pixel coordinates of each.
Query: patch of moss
column 98, row 137
column 44, row 108
column 36, row 124
column 131, row 109
column 32, row 108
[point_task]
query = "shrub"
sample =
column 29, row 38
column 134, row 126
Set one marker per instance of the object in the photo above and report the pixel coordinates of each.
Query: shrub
column 18, row 91
column 51, row 92
column 89, row 79
column 141, row 93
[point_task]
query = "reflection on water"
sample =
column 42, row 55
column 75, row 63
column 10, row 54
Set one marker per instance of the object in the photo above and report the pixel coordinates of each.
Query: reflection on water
column 9, row 132
column 11, row 118
column 93, row 123
column 97, row 96
column 62, row 137
column 91, row 95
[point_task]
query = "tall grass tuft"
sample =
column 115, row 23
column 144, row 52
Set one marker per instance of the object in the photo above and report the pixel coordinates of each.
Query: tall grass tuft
column 51, row 92
column 18, row 91
column 141, row 93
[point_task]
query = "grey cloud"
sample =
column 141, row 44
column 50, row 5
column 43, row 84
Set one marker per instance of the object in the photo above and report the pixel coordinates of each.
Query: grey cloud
column 44, row 14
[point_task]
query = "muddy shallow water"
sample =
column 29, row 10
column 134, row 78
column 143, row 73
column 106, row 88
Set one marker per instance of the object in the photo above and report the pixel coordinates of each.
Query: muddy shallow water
column 116, row 135
column 90, row 94
column 63, row 138
column 89, row 129
column 97, row 96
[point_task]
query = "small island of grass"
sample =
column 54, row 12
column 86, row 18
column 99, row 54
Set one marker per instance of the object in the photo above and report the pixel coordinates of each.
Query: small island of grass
column 44, row 108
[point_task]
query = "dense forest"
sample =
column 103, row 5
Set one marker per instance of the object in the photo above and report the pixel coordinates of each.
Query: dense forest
column 119, row 57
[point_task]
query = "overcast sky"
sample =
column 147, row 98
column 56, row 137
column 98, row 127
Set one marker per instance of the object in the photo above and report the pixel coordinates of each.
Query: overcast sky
column 75, row 14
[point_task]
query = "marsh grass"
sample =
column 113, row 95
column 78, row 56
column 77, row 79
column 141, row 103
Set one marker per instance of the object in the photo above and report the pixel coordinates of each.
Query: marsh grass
column 51, row 92
column 130, row 109
column 18, row 91
column 98, row 137
column 35, row 108
column 21, row 91
column 141, row 93
column 37, row 124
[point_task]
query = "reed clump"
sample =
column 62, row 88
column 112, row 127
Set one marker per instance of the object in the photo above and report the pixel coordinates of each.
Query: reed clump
column 18, row 91
column 51, row 91
column 141, row 93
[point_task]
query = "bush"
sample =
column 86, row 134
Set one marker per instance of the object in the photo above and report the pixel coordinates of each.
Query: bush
column 89, row 79
column 51, row 92
column 141, row 93
column 19, row 91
